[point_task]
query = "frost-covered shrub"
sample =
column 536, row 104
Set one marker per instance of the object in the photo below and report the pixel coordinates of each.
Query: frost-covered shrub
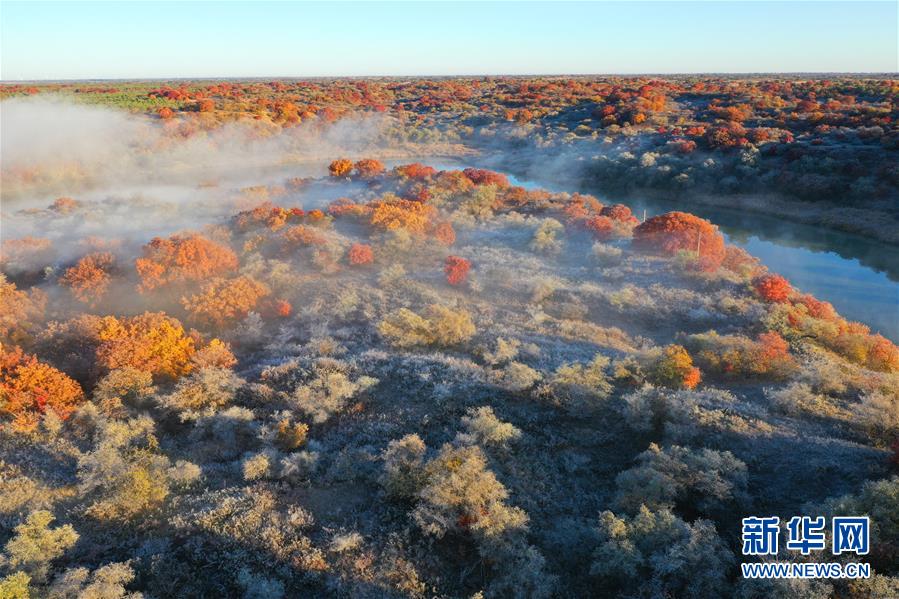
column 788, row 588
column 606, row 255
column 545, row 238
column 328, row 391
column 440, row 326
column 484, row 428
column 404, row 473
column 879, row 500
column 203, row 391
column 878, row 414
column 463, row 495
column 124, row 387
column 581, row 386
column 256, row 586
column 661, row 413
column 675, row 476
column 256, row 466
column 797, row 398
column 34, row 545
column 298, row 466
column 106, row 582
column 515, row 377
column 656, row 554
column 343, row 542
column 226, row 434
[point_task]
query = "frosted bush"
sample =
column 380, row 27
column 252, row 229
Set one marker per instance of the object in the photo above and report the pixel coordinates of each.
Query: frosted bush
column 298, row 466
column 545, row 238
column 515, row 377
column 581, row 386
column 404, row 474
column 34, row 545
column 704, row 479
column 878, row 414
column 606, row 255
column 205, row 390
column 484, row 428
column 343, row 542
column 256, row 466
column 106, row 582
column 462, row 495
column 440, row 326
column 655, row 553
column 797, row 398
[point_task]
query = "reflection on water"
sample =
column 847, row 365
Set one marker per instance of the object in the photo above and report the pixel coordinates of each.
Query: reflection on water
column 860, row 277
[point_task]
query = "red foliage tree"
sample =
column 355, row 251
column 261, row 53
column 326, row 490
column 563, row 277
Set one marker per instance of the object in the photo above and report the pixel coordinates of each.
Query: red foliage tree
column 617, row 212
column 445, row 234
column 773, row 288
column 416, row 170
column 361, row 254
column 601, row 227
column 206, row 105
column 480, row 176
column 456, row 270
column 674, row 232
column 166, row 113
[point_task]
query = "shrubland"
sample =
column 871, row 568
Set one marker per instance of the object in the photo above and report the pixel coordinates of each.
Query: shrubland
column 404, row 380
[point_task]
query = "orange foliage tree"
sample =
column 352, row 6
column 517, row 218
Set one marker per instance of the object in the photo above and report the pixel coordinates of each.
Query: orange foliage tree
column 675, row 232
column 224, row 301
column 89, row 279
column 773, row 288
column 20, row 310
column 341, row 167
column 397, row 214
column 29, row 388
column 369, row 167
column 456, row 270
column 445, row 234
column 361, row 253
column 182, row 259
column 675, row 369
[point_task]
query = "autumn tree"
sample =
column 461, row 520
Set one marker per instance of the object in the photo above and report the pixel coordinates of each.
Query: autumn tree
column 182, row 259
column 360, row 254
column 21, row 311
column 773, row 288
column 224, row 301
column 674, row 232
column 89, row 279
column 456, row 270
column 480, row 176
column 342, row 167
column 30, row 388
column 445, row 234
column 368, row 168
column 674, row 368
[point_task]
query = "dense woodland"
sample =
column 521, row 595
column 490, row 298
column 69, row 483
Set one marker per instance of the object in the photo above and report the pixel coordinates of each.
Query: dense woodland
column 405, row 381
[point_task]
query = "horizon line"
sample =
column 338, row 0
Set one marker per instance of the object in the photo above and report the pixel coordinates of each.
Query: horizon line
column 454, row 76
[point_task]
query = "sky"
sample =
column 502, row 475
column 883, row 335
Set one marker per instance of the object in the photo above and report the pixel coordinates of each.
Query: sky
column 133, row 40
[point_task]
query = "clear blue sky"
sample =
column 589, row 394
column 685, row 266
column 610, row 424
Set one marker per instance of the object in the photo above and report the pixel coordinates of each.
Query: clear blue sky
column 72, row 40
